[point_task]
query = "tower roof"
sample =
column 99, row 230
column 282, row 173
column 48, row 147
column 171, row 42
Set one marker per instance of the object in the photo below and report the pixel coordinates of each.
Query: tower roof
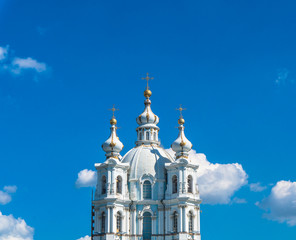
column 112, row 146
column 181, row 146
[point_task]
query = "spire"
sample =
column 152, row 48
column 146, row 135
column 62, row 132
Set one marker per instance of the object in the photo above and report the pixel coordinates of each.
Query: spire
column 147, row 129
column 181, row 146
column 112, row 146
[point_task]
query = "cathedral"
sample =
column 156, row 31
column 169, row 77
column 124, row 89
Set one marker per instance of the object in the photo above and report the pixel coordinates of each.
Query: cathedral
column 147, row 194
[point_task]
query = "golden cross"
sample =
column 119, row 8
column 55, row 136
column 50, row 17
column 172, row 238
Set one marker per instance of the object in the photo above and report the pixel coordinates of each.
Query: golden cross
column 181, row 110
column 113, row 109
column 147, row 78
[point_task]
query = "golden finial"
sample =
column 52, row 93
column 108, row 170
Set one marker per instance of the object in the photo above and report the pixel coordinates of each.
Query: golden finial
column 113, row 121
column 181, row 120
column 147, row 92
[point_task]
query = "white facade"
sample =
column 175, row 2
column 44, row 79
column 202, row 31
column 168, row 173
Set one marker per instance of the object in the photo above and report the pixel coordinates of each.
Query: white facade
column 147, row 194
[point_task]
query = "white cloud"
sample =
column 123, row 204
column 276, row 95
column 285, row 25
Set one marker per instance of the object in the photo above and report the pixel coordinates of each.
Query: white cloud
column 10, row 189
column 238, row 200
column 17, row 65
column 217, row 182
column 5, row 195
column 20, row 64
column 3, row 53
column 85, row 238
column 86, row 178
column 257, row 187
column 281, row 203
column 14, row 229
column 4, row 198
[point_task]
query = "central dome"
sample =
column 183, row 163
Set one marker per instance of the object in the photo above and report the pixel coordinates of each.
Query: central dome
column 147, row 159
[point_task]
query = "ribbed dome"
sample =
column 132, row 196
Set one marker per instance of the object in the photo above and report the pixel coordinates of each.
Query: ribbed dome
column 147, row 117
column 181, row 146
column 147, row 159
column 112, row 146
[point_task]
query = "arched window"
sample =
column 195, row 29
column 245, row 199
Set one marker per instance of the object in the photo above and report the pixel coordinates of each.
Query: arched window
column 140, row 136
column 147, row 226
column 103, row 222
column 190, row 223
column 175, row 222
column 118, row 222
column 174, row 184
column 104, row 182
column 119, row 185
column 155, row 136
column 146, row 190
column 147, row 135
column 189, row 184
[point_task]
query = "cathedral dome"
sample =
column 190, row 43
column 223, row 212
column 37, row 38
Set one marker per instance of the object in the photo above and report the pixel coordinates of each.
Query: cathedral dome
column 147, row 159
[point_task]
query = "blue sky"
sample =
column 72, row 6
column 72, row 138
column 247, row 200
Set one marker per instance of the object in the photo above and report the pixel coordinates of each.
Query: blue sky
column 63, row 64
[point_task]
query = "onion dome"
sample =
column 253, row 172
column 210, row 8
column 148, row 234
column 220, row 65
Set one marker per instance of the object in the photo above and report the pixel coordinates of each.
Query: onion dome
column 147, row 117
column 147, row 130
column 181, row 146
column 112, row 146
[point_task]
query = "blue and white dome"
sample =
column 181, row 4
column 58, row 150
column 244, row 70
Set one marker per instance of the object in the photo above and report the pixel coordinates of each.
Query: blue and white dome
column 147, row 159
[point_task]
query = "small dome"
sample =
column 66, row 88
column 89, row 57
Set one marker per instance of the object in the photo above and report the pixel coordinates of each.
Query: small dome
column 112, row 146
column 181, row 146
column 147, row 117
column 147, row 159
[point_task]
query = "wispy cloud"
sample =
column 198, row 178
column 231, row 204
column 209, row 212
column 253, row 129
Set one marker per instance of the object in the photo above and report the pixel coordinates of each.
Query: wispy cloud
column 280, row 205
column 238, row 200
column 284, row 77
column 3, row 53
column 257, row 187
column 5, row 195
column 18, row 66
column 86, row 178
column 217, row 182
column 85, row 238
column 21, row 64
column 12, row 228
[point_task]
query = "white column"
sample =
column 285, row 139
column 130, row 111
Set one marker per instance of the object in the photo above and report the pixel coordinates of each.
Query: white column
column 198, row 220
column 140, row 219
column 185, row 229
column 180, row 224
column 184, row 190
column 111, row 220
column 108, row 220
column 133, row 222
column 180, row 182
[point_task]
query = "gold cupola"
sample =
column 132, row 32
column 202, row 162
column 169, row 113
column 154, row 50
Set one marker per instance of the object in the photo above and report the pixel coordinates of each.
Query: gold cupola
column 181, row 146
column 112, row 146
column 147, row 130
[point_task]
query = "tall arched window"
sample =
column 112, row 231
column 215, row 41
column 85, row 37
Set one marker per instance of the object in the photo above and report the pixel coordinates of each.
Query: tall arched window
column 118, row 222
column 175, row 222
column 147, row 135
column 147, row 226
column 140, row 136
column 189, row 184
column 104, row 182
column 190, row 223
column 146, row 190
column 103, row 222
column 174, row 184
column 119, row 185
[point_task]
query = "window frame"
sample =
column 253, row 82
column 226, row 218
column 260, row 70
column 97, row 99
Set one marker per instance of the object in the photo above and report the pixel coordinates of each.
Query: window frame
column 103, row 185
column 146, row 190
column 174, row 184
